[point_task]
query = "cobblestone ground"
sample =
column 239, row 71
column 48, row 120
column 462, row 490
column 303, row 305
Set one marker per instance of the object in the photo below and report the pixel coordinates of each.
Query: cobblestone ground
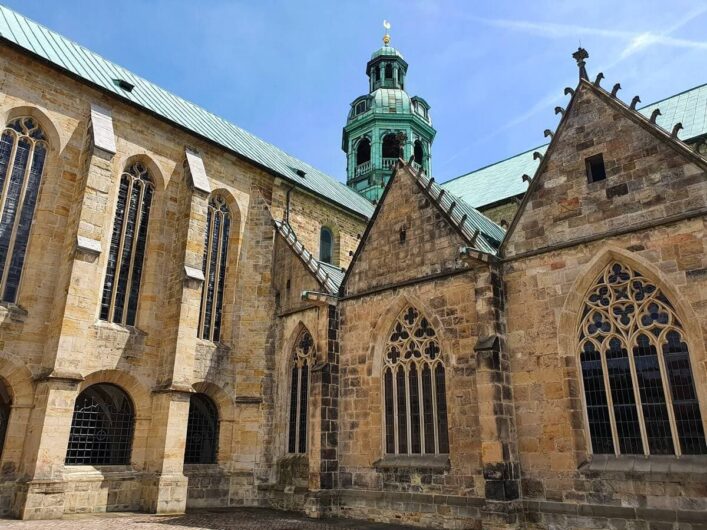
column 237, row 519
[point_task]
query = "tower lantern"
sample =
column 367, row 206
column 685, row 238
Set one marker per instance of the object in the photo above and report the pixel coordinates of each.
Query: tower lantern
column 385, row 124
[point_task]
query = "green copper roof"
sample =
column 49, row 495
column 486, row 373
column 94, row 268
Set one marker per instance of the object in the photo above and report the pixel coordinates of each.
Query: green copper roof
column 503, row 180
column 93, row 68
column 386, row 50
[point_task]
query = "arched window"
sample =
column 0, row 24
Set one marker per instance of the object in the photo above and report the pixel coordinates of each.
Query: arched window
column 363, row 151
column 326, row 245
column 23, row 150
column 101, row 428
column 418, row 152
column 127, row 246
column 389, row 71
column 5, row 404
column 214, row 267
column 391, row 146
column 202, row 431
column 361, row 107
column 303, row 358
column 414, row 388
column 638, row 386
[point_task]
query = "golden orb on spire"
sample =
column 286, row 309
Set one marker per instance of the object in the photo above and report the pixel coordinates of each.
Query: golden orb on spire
column 386, row 37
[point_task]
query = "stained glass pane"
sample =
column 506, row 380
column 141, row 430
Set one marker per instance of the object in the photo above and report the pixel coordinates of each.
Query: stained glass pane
column 428, row 414
column 402, row 411
column 12, row 198
column 415, row 436
column 389, row 417
column 139, row 259
column 441, row 410
column 595, row 397
column 650, row 386
column 114, row 247
column 624, row 400
column 687, row 409
column 218, row 309
column 294, row 396
column 304, row 402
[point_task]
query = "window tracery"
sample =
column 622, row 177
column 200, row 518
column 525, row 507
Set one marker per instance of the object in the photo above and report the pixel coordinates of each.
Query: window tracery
column 639, row 391
column 303, row 358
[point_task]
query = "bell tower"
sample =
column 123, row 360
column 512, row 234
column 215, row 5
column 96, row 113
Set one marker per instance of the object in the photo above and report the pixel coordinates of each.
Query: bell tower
column 385, row 124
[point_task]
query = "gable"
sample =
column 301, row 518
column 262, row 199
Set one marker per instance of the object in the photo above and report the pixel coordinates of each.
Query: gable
column 649, row 176
column 430, row 244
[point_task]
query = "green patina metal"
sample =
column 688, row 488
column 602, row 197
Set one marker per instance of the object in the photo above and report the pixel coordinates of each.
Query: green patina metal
column 385, row 124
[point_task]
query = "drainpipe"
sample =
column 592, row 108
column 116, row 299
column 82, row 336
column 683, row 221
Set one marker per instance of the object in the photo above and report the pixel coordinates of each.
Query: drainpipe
column 287, row 205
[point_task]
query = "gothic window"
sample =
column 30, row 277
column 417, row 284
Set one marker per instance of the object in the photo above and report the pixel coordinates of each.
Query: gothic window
column 214, row 268
column 326, row 244
column 303, row 358
column 415, row 403
column 391, row 146
column 127, row 246
column 363, row 151
column 638, row 386
column 5, row 403
column 389, row 71
column 23, row 151
column 101, row 428
column 418, row 152
column 202, row 431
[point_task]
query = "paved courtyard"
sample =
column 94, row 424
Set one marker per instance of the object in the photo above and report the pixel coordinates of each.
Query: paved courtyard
column 237, row 519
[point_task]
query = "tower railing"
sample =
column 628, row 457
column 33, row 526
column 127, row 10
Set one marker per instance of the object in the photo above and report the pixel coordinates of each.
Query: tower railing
column 364, row 168
column 388, row 163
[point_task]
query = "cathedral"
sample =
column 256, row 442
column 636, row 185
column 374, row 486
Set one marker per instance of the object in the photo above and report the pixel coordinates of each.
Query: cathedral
column 192, row 318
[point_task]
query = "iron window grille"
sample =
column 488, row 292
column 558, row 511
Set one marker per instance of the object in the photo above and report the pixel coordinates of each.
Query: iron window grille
column 101, row 428
column 214, row 268
column 202, row 431
column 23, row 152
column 127, row 247
column 414, row 388
column 303, row 358
column 637, row 381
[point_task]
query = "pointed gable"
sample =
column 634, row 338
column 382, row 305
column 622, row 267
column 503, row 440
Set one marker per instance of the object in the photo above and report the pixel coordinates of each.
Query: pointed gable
column 649, row 176
column 417, row 231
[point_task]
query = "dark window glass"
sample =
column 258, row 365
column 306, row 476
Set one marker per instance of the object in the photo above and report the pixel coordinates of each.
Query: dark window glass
column 5, row 405
column 101, row 427
column 326, row 242
column 202, row 431
column 402, row 411
column 294, row 399
column 687, row 410
column 595, row 168
column 415, row 417
column 624, row 400
column 127, row 248
column 218, row 226
column 389, row 417
column 363, row 152
column 303, row 357
column 391, row 146
column 441, row 410
column 23, row 152
column 418, row 152
column 429, row 413
column 389, row 71
column 595, row 397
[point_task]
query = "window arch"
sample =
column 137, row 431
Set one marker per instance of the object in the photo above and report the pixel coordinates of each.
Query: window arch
column 214, row 268
column 326, row 245
column 5, row 407
column 202, row 431
column 363, row 151
column 638, row 387
column 391, row 146
column 127, row 246
column 23, row 152
column 418, row 152
column 303, row 358
column 102, row 427
column 414, row 388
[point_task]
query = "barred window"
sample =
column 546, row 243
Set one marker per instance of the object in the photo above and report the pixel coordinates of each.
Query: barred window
column 326, row 245
column 303, row 358
column 214, row 267
column 415, row 402
column 23, row 151
column 5, row 405
column 101, row 428
column 202, row 431
column 127, row 246
column 638, row 387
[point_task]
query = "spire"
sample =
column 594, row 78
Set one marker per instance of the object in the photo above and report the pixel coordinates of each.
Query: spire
column 580, row 55
column 386, row 37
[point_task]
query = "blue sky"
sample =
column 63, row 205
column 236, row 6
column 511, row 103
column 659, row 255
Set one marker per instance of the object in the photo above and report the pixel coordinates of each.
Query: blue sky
column 492, row 71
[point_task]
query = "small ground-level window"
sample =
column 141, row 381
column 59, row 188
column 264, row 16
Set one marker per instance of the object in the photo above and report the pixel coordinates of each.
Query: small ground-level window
column 303, row 357
column 101, row 428
column 639, row 390
column 595, row 168
column 202, row 431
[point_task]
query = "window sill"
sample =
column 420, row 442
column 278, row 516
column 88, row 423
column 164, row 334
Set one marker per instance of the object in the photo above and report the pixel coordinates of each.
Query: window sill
column 431, row 462
column 217, row 345
column 120, row 328
column 89, row 472
column 646, row 465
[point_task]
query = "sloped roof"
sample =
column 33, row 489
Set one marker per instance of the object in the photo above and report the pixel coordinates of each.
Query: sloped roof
column 96, row 70
column 502, row 180
column 327, row 275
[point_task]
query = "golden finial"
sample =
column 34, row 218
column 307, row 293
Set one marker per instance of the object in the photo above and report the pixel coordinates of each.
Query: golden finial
column 386, row 37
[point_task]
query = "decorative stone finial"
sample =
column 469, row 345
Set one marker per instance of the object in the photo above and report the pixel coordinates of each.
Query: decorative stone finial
column 597, row 81
column 676, row 129
column 580, row 55
column 635, row 101
column 614, row 90
column 654, row 115
column 386, row 37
